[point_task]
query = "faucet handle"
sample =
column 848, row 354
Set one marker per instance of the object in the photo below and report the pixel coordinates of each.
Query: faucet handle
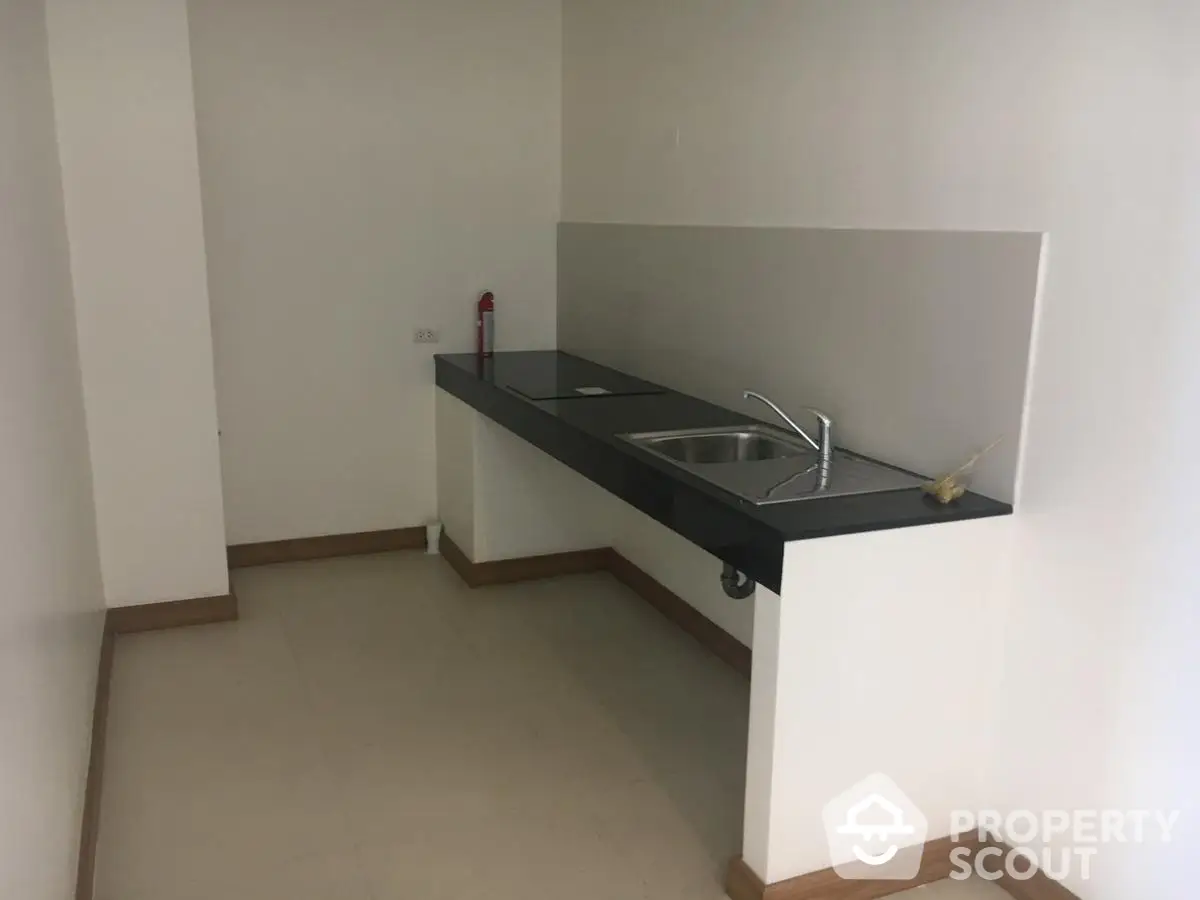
column 824, row 434
column 824, row 418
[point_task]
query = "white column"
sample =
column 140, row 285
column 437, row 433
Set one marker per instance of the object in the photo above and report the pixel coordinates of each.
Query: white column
column 122, row 80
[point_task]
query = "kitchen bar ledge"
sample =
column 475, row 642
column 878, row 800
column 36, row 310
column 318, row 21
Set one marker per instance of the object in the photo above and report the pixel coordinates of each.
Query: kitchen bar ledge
column 583, row 432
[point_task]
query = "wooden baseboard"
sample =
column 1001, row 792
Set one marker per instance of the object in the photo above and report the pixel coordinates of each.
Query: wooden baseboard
column 458, row 560
column 176, row 614
column 672, row 606
column 85, row 873
column 242, row 556
column 1034, row 883
column 741, row 883
column 117, row 621
column 524, row 568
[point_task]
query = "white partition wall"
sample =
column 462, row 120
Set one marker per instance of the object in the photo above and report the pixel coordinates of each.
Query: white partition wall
column 122, row 81
column 881, row 654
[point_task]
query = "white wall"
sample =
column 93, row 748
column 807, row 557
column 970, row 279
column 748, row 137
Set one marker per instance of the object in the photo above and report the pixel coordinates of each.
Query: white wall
column 691, row 573
column 367, row 168
column 1076, row 118
column 880, row 329
column 126, row 129
column 527, row 503
column 51, row 599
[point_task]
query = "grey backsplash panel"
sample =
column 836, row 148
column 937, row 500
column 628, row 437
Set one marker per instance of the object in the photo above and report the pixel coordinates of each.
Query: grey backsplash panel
column 916, row 342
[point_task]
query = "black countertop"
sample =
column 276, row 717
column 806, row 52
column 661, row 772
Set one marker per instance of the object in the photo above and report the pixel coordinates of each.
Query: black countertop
column 582, row 432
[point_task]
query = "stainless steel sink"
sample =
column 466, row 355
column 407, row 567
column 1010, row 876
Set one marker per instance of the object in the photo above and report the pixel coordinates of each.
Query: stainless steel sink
column 750, row 444
column 766, row 465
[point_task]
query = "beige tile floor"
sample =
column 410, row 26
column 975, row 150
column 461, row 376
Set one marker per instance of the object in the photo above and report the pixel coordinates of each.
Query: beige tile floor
column 373, row 729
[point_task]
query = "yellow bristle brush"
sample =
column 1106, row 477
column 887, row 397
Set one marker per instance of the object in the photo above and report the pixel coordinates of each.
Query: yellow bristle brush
column 948, row 488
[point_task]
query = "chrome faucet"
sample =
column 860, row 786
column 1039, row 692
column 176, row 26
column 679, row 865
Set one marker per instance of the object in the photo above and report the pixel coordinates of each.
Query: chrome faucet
column 825, row 424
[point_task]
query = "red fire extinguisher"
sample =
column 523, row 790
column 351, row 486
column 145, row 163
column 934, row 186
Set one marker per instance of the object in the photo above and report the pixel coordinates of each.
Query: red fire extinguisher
column 486, row 324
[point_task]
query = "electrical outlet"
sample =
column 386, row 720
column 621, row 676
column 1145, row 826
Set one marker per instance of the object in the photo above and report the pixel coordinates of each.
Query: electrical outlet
column 425, row 336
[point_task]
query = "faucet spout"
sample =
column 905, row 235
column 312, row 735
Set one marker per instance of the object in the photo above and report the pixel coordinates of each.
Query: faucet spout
column 825, row 433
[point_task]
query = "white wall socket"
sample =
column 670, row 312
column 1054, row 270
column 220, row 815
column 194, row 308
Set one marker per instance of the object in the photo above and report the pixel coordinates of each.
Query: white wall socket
column 425, row 336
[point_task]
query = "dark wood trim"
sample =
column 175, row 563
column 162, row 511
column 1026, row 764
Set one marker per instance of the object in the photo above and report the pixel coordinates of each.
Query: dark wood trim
column 458, row 560
column 535, row 568
column 117, row 621
column 741, row 883
column 242, row 556
column 85, row 873
column 1039, row 886
column 672, row 606
column 522, row 568
column 175, row 614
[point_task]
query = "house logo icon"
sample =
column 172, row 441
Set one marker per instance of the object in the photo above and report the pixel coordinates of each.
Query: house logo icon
column 871, row 828
column 894, row 826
